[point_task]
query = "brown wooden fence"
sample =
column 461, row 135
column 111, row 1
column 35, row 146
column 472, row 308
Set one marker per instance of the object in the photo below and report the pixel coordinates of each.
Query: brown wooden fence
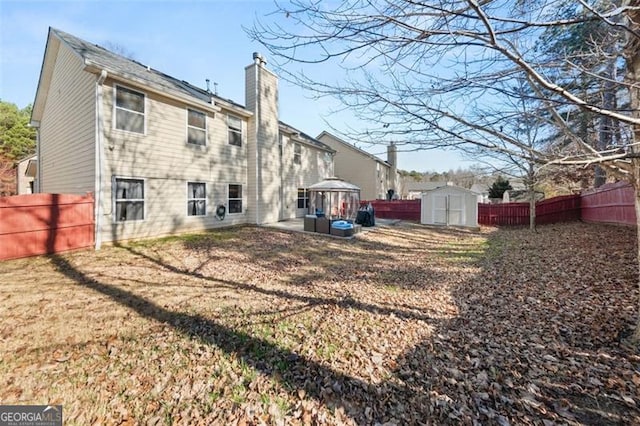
column 45, row 223
column 611, row 203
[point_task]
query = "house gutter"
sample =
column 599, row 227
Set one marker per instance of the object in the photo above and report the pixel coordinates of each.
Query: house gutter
column 99, row 161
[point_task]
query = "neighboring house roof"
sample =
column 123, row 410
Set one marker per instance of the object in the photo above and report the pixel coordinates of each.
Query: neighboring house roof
column 517, row 184
column 32, row 167
column 518, row 195
column 424, row 186
column 31, row 164
column 303, row 137
column 479, row 188
column 355, row 148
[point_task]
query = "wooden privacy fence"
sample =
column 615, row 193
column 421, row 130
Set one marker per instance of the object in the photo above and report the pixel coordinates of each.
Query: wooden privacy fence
column 508, row 214
column 611, row 203
column 45, row 223
column 396, row 209
column 564, row 208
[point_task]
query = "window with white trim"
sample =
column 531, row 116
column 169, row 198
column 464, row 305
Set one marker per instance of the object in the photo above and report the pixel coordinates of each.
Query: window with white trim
column 297, row 153
column 303, row 198
column 129, row 199
column 129, row 110
column 235, row 198
column 196, row 199
column 234, row 125
column 196, row 127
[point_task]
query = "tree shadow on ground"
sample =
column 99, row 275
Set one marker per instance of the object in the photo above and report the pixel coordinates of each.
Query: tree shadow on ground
column 318, row 381
column 513, row 354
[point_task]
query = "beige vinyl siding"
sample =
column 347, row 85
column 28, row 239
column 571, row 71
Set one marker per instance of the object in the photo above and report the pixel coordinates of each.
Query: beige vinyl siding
column 311, row 170
column 382, row 182
column 356, row 168
column 267, row 181
column 251, row 145
column 67, row 130
column 164, row 159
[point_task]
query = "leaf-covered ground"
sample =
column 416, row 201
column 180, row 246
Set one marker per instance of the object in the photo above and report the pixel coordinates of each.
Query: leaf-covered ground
column 402, row 325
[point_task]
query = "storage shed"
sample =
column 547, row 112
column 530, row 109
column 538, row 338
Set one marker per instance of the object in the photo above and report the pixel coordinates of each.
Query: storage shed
column 449, row 206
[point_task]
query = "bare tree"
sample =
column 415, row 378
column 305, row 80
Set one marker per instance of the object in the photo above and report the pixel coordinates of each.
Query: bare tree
column 423, row 72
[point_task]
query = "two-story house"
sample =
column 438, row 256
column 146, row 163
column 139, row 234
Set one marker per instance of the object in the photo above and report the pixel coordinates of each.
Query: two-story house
column 161, row 155
column 374, row 176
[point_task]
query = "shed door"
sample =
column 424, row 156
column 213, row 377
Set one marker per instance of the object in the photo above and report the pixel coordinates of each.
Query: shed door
column 440, row 209
column 456, row 210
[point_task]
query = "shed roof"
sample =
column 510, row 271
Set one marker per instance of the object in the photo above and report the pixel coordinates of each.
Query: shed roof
column 451, row 187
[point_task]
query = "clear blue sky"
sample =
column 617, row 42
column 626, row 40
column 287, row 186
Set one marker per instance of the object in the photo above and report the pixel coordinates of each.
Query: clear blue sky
column 191, row 40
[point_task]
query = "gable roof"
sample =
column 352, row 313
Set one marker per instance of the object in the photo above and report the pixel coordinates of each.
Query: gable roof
column 303, row 137
column 424, row 186
column 100, row 57
column 96, row 58
column 451, row 188
column 353, row 147
column 480, row 188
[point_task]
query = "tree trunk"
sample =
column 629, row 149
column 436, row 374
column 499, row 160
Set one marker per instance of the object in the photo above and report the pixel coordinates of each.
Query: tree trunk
column 605, row 131
column 636, row 185
column 532, row 209
column 632, row 56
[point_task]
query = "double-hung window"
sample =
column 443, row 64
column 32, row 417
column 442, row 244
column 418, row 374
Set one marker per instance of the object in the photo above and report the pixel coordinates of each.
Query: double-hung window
column 303, row 198
column 129, row 110
column 297, row 153
column 129, row 199
column 196, row 199
column 196, row 127
column 234, row 125
column 235, row 198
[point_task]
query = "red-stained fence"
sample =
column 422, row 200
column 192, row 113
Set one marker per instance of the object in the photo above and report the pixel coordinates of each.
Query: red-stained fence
column 507, row 214
column 45, row 223
column 396, row 209
column 565, row 208
column 611, row 203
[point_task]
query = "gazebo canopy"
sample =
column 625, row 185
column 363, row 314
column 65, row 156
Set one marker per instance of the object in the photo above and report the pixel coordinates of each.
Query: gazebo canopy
column 334, row 184
column 334, row 197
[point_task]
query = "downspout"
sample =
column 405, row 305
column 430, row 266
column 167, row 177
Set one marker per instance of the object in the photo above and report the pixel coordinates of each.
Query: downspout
column 38, row 160
column 99, row 161
column 258, row 61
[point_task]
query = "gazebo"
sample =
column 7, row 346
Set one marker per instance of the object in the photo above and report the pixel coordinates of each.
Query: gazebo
column 334, row 199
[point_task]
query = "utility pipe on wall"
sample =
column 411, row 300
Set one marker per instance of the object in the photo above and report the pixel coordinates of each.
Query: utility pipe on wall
column 99, row 161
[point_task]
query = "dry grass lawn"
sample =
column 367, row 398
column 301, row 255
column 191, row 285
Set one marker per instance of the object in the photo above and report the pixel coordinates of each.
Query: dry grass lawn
column 403, row 325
